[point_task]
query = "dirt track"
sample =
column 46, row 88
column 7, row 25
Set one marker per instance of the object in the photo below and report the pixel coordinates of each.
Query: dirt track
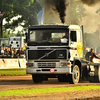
column 20, row 82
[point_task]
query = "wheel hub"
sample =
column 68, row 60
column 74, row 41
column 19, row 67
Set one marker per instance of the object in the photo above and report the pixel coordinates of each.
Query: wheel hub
column 75, row 74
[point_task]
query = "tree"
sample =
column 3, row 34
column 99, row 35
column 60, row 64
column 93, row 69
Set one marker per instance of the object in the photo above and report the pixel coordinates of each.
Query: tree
column 28, row 9
column 6, row 34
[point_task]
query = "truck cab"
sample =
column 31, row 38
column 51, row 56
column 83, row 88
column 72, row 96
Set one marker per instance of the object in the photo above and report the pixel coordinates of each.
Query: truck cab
column 54, row 51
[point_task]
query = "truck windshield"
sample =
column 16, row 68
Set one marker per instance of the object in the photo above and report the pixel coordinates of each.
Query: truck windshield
column 50, row 37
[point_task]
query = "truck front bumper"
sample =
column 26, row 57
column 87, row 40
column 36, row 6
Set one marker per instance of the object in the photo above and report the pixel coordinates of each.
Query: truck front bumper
column 66, row 70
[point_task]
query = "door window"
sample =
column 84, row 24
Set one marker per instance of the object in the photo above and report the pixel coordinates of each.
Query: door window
column 73, row 36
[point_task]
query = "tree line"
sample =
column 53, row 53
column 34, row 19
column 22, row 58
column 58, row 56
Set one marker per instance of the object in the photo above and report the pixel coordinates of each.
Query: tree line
column 27, row 9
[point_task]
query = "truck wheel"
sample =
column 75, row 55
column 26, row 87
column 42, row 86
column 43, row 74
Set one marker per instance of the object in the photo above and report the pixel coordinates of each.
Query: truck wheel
column 62, row 78
column 75, row 76
column 37, row 78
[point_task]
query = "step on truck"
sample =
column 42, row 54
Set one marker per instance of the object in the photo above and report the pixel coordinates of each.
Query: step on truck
column 56, row 51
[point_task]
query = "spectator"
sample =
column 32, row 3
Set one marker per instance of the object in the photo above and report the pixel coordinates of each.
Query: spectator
column 8, row 53
column 90, row 55
column 2, row 52
column 5, row 52
column 18, row 52
column 22, row 54
column 11, row 52
column 15, row 53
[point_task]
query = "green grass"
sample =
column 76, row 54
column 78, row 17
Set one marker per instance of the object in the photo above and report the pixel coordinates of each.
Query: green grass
column 15, row 69
column 12, row 72
column 38, row 91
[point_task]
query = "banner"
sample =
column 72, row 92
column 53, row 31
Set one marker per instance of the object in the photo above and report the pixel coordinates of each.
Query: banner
column 12, row 63
column 40, row 17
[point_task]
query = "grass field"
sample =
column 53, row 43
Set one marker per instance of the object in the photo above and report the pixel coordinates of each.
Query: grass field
column 37, row 91
column 11, row 72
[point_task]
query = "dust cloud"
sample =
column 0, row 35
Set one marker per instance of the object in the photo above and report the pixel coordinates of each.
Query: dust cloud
column 58, row 11
column 79, row 12
column 91, row 21
column 90, row 2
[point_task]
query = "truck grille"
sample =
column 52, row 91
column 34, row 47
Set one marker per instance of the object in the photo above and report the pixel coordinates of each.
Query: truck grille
column 46, row 54
column 46, row 65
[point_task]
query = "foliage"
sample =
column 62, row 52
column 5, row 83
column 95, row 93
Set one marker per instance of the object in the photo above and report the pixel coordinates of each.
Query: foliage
column 28, row 10
column 6, row 34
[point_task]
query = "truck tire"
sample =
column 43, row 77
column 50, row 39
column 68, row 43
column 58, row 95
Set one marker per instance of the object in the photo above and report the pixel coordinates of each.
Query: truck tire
column 63, row 78
column 37, row 78
column 60, row 79
column 75, row 76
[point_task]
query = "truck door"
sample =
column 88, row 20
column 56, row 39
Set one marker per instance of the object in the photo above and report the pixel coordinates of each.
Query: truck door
column 73, row 44
column 73, row 38
column 80, row 43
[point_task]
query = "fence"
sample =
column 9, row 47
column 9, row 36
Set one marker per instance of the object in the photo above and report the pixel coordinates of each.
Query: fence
column 6, row 63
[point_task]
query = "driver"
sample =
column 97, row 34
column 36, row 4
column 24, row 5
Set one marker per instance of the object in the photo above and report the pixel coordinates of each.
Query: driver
column 43, row 36
column 66, row 35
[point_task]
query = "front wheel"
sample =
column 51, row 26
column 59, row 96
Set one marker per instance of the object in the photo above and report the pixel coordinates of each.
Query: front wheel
column 37, row 78
column 62, row 78
column 75, row 76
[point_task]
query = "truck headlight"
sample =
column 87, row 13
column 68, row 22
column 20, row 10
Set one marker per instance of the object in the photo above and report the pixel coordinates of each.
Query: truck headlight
column 29, row 64
column 63, row 64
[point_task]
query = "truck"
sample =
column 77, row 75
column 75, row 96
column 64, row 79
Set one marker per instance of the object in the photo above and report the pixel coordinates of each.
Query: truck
column 50, row 54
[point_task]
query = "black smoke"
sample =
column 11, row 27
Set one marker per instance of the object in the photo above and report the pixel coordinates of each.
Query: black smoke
column 57, row 5
column 60, row 6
